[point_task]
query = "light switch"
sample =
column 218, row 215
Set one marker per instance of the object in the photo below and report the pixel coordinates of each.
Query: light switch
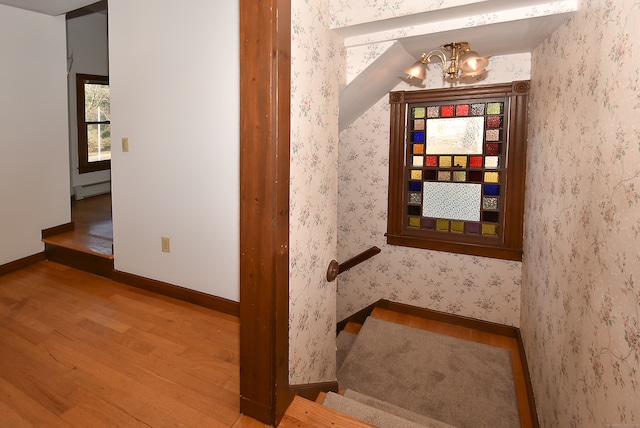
column 125, row 144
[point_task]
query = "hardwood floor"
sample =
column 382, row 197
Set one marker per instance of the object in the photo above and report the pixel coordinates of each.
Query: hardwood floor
column 81, row 350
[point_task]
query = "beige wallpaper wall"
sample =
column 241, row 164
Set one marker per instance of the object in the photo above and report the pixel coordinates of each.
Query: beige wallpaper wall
column 478, row 287
column 580, row 291
column 316, row 69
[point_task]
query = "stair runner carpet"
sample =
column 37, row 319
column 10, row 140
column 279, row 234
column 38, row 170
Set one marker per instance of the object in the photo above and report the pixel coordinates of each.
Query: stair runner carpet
column 451, row 381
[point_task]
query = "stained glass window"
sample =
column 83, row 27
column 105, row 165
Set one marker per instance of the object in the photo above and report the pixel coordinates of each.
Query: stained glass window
column 461, row 142
column 454, row 185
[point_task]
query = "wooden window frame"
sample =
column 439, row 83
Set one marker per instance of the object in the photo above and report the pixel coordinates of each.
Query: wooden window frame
column 508, row 245
column 84, row 165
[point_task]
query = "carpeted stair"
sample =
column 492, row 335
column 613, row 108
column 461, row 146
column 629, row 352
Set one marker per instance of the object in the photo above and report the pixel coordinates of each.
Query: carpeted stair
column 478, row 377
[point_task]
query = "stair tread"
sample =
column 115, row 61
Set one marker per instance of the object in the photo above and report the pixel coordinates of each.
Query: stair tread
column 376, row 416
column 306, row 413
column 352, row 327
column 417, row 418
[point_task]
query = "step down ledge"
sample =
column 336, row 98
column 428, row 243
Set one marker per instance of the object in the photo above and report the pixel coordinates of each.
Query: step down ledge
column 303, row 412
column 372, row 415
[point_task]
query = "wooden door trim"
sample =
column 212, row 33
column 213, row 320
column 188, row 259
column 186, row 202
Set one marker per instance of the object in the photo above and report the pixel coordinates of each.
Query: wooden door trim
column 265, row 86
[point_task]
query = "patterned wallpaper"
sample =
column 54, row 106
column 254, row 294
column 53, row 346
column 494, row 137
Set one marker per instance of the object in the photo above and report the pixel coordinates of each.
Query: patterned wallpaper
column 316, row 69
column 478, row 287
column 581, row 290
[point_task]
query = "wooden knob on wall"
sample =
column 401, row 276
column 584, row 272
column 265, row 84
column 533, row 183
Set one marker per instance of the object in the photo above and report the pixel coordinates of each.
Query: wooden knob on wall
column 332, row 270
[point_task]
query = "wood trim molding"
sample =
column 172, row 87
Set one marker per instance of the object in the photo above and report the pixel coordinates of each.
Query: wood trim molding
column 359, row 317
column 175, row 291
column 57, row 230
column 21, row 263
column 486, row 326
column 527, row 381
column 265, row 87
column 490, row 327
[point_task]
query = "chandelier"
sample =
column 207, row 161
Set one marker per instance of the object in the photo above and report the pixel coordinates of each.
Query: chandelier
column 463, row 62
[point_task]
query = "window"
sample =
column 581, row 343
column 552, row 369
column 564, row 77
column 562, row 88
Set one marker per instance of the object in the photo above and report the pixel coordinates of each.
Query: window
column 94, row 128
column 457, row 168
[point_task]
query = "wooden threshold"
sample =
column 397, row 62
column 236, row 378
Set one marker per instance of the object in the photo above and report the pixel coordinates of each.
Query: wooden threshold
column 309, row 414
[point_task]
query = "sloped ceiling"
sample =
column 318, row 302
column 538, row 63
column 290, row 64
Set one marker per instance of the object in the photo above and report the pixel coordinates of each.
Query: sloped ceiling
column 49, row 7
column 492, row 27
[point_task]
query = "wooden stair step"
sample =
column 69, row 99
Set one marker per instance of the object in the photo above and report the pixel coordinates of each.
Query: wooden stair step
column 306, row 413
column 352, row 328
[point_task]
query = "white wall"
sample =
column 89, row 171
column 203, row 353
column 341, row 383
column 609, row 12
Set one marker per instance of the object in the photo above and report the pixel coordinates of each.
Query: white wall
column 174, row 68
column 87, row 41
column 34, row 164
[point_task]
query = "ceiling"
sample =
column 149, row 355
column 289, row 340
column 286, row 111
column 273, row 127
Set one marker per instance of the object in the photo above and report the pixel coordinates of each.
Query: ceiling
column 492, row 27
column 55, row 7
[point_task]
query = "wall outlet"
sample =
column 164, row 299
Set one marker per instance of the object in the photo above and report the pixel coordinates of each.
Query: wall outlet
column 166, row 245
column 125, row 144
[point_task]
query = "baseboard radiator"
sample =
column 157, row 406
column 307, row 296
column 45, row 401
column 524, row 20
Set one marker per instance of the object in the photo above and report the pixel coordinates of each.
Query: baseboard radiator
column 94, row 189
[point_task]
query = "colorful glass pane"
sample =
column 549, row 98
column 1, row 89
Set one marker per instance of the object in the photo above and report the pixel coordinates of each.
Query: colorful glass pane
column 457, row 226
column 462, row 110
column 492, row 189
column 491, row 161
column 459, row 175
column 445, row 161
column 419, row 112
column 413, row 210
column 459, row 135
column 460, row 161
column 429, row 223
column 444, row 175
column 415, row 198
column 415, row 186
column 432, row 161
column 494, row 108
column 418, row 137
column 429, row 174
column 477, row 109
column 416, row 174
column 492, row 149
column 418, row 125
column 492, row 122
column 492, row 135
column 475, row 161
column 473, row 228
column 475, row 176
column 442, row 224
column 453, row 201
column 490, row 216
column 433, row 112
column 418, row 149
column 492, row 177
column 418, row 160
column 447, row 111
column 489, row 229
column 414, row 221
column 488, row 203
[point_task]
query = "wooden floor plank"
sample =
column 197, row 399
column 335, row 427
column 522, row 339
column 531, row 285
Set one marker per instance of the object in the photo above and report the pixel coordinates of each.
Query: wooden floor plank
column 81, row 350
column 306, row 413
